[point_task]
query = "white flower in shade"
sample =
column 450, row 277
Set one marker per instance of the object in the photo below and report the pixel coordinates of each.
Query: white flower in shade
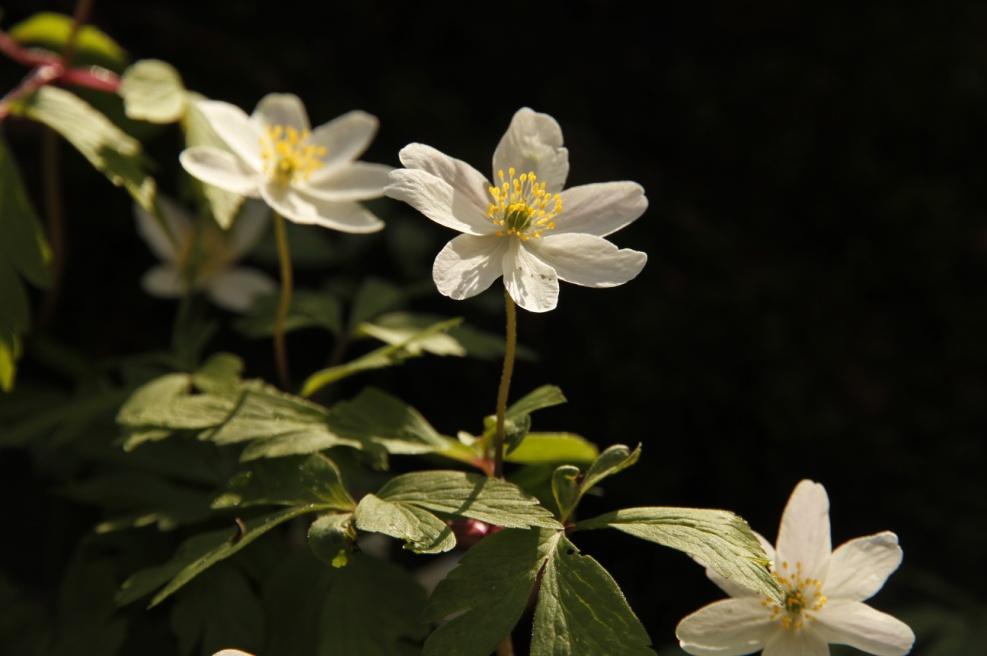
column 306, row 176
column 523, row 226
column 824, row 594
column 211, row 253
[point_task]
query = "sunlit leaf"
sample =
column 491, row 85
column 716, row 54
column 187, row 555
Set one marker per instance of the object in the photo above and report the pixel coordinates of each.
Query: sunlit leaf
column 292, row 481
column 545, row 448
column 375, row 417
column 152, row 91
column 51, row 31
column 421, row 531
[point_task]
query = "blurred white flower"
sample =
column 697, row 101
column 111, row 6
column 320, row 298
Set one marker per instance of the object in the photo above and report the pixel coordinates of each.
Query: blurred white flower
column 524, row 226
column 824, row 594
column 212, row 254
column 306, row 176
column 232, row 652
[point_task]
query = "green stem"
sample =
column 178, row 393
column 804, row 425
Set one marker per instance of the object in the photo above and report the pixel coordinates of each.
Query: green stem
column 505, row 383
column 284, row 256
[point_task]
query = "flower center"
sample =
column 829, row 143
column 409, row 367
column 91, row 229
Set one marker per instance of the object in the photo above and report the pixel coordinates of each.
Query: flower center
column 803, row 596
column 521, row 206
column 287, row 155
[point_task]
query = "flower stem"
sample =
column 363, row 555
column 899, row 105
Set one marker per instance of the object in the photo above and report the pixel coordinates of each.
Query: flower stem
column 506, row 647
column 505, row 383
column 284, row 256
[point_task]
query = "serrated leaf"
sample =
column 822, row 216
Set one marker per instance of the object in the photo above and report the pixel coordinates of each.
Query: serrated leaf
column 460, row 494
column 292, row 481
column 487, row 592
column 421, row 531
column 308, row 310
column 51, row 31
column 717, row 538
column 167, row 402
column 331, row 538
column 545, row 396
column 198, row 132
column 581, row 610
column 217, row 610
column 546, row 448
column 377, row 359
column 375, row 417
column 153, row 91
column 107, row 147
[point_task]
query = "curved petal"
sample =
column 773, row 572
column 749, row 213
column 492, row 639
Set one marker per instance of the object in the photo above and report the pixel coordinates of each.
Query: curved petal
column 220, row 169
column 344, row 138
column 439, row 201
column 731, row 588
column 804, row 642
column 533, row 142
column 163, row 282
column 249, row 227
column 234, row 127
column 588, row 260
column 231, row 652
column 601, row 208
column 845, row 622
column 532, row 284
column 859, row 568
column 352, row 181
column 457, row 173
column 730, row 627
column 299, row 207
column 285, row 109
column 153, row 233
column 468, row 265
column 236, row 289
column 803, row 538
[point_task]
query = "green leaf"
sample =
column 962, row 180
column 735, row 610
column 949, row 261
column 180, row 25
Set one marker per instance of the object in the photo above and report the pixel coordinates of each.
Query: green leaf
column 107, row 147
column 218, row 610
column 332, row 537
column 377, row 418
column 487, row 592
column 372, row 610
column 581, row 610
column 167, row 402
column 220, row 374
column 717, row 538
column 374, row 297
column 565, row 488
column 421, row 531
column 51, row 31
column 84, row 619
column 308, row 310
column 377, row 359
column 292, row 481
column 545, row 396
column 459, row 494
column 546, row 448
column 9, row 352
column 153, row 91
column 613, row 460
column 294, row 595
column 198, row 132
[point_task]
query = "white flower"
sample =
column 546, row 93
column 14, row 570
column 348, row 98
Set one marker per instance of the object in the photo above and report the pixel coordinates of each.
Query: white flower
column 523, row 227
column 215, row 254
column 231, row 652
column 825, row 590
column 306, row 176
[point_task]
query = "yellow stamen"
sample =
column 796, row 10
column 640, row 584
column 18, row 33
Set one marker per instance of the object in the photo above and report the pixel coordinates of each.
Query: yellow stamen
column 522, row 206
column 287, row 156
column 803, row 597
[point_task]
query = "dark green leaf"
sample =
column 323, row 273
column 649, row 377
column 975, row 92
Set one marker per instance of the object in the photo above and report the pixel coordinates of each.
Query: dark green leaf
column 332, row 537
column 374, row 297
column 545, row 396
column 613, row 460
column 217, row 610
column 292, row 481
column 421, row 531
column 375, row 417
column 565, row 488
column 308, row 310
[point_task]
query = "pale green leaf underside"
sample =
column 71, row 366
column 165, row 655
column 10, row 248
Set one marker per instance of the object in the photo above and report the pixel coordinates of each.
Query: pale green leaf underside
column 547, row 448
column 545, row 396
column 152, row 91
column 717, row 538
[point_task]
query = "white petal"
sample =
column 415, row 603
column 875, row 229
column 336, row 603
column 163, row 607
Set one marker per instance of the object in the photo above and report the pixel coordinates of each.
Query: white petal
column 299, row 207
column 804, row 533
column 796, row 643
column 727, row 628
column 460, row 175
column 468, row 265
column 235, row 290
column 859, row 568
column 285, row 109
column 352, row 181
column 734, row 589
column 249, row 227
column 345, row 138
column 845, row 622
column 532, row 284
column 151, row 231
column 588, row 260
column 439, row 201
column 602, row 208
column 163, row 282
column 533, row 142
column 231, row 652
column 220, row 169
column 233, row 126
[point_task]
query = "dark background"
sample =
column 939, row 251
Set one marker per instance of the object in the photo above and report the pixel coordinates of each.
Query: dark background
column 814, row 302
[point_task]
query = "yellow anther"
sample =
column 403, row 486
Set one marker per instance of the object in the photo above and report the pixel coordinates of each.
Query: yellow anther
column 803, row 596
column 522, row 205
column 287, row 156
